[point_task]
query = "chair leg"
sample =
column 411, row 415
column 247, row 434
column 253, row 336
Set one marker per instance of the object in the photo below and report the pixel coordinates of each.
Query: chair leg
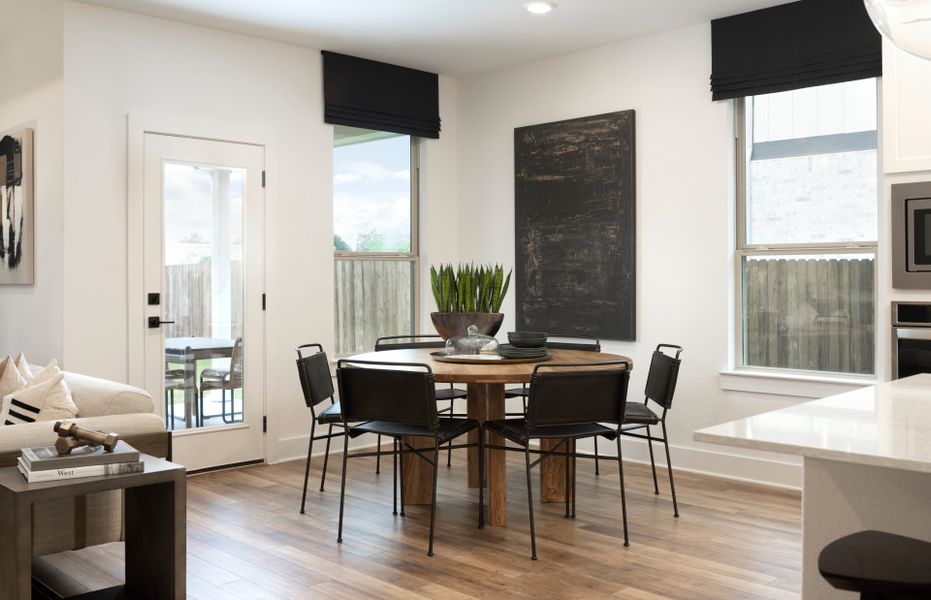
column 566, row 458
column 342, row 488
column 310, row 450
column 652, row 460
column 620, row 467
column 326, row 457
column 574, row 463
column 597, row 471
column 401, row 475
column 394, row 479
column 449, row 448
column 533, row 534
column 481, row 478
column 436, row 470
column 378, row 456
column 672, row 485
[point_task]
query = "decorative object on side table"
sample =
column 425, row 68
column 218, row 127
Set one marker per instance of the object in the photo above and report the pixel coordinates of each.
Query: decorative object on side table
column 77, row 453
column 468, row 295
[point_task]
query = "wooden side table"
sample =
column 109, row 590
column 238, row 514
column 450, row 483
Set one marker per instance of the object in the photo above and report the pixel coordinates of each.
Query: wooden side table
column 154, row 512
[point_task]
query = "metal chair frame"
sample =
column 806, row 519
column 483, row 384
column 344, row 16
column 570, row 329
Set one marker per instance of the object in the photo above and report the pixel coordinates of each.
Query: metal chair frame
column 402, row 447
column 629, row 430
column 436, row 342
column 589, row 345
column 570, row 492
column 234, row 382
column 313, row 423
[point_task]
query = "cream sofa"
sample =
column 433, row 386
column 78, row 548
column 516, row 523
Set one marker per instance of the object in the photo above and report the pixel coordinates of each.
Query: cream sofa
column 108, row 406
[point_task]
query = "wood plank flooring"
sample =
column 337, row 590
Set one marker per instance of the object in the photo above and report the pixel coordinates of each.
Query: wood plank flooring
column 247, row 540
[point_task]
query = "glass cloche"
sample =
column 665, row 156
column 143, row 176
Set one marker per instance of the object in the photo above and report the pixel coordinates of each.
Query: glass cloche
column 473, row 343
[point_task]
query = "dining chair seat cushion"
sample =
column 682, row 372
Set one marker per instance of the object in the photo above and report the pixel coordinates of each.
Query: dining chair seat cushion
column 517, row 431
column 214, row 374
column 331, row 414
column 175, row 374
column 450, row 393
column 635, row 412
column 176, row 384
column 520, row 392
column 447, row 429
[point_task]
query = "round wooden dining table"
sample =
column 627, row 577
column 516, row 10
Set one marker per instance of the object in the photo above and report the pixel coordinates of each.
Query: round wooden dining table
column 485, row 385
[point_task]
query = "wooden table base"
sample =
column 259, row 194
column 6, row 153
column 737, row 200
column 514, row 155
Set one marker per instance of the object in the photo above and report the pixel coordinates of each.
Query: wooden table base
column 485, row 402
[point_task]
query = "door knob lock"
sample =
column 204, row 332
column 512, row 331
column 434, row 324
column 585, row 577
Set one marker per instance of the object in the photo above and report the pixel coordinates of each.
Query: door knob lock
column 156, row 322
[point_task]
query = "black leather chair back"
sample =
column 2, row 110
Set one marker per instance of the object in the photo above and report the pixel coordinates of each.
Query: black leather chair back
column 560, row 397
column 369, row 393
column 663, row 375
column 567, row 342
column 314, row 372
column 407, row 342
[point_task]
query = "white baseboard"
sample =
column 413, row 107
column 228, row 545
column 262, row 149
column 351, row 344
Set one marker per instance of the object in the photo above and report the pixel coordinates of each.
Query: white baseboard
column 750, row 469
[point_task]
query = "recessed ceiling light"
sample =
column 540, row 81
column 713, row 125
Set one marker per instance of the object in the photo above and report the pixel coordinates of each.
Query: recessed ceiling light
column 539, row 7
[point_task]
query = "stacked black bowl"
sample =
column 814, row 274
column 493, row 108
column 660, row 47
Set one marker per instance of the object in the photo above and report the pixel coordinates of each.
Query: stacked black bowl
column 524, row 344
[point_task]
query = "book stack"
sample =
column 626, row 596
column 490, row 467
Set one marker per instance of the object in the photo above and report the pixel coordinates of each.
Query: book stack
column 45, row 464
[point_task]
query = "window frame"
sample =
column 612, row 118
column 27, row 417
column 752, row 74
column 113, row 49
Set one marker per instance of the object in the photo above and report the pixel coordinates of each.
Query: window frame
column 414, row 254
column 743, row 250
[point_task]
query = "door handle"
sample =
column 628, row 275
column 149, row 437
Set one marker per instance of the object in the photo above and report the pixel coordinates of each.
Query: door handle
column 156, row 322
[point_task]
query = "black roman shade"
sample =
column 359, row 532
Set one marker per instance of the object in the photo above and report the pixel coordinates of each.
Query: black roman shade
column 374, row 95
column 792, row 46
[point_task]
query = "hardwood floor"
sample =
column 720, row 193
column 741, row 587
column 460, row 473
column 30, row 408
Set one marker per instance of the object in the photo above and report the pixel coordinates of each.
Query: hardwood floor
column 247, row 540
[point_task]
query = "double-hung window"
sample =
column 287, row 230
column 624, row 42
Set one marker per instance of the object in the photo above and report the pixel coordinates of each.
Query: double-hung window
column 807, row 228
column 375, row 181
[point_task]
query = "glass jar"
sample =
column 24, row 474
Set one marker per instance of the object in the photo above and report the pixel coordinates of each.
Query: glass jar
column 473, row 343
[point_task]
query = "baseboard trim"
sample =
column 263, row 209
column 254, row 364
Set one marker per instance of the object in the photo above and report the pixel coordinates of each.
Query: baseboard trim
column 770, row 472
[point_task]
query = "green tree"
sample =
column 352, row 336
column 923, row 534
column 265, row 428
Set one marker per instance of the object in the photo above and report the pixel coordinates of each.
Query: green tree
column 371, row 242
column 339, row 244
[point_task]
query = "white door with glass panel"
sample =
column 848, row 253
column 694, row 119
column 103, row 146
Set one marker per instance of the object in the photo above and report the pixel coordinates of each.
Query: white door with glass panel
column 204, row 283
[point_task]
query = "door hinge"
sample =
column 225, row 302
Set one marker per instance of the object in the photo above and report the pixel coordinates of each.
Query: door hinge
column 263, row 178
column 264, row 424
column 263, row 301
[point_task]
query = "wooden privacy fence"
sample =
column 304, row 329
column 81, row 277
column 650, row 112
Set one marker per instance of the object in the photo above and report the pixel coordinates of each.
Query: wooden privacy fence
column 813, row 314
column 188, row 303
column 374, row 298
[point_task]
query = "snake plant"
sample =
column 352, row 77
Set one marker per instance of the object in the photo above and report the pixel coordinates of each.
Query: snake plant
column 469, row 288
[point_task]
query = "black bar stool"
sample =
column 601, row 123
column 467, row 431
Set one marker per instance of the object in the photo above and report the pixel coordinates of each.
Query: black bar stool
column 878, row 565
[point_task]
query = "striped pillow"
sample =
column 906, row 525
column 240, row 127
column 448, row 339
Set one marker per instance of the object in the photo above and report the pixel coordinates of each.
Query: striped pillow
column 46, row 401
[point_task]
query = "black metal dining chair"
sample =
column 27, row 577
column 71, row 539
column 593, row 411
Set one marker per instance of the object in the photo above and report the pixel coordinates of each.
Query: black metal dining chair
column 554, row 342
column 660, row 388
column 398, row 403
column 443, row 394
column 317, row 386
column 597, row 396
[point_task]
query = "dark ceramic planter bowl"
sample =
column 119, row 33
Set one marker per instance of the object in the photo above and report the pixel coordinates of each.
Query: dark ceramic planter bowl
column 452, row 324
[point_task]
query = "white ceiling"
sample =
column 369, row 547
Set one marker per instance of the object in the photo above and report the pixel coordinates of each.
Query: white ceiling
column 453, row 37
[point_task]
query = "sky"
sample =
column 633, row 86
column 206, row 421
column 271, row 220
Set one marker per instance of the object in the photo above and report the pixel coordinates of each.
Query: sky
column 371, row 191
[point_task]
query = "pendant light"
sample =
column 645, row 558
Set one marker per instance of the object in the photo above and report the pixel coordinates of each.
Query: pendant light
column 905, row 23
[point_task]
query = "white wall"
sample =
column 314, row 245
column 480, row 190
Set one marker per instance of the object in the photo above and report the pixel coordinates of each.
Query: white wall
column 31, row 96
column 119, row 63
column 684, row 213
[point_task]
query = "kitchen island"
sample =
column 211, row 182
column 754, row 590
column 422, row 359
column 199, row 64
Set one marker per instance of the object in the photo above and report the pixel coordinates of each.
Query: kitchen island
column 867, row 464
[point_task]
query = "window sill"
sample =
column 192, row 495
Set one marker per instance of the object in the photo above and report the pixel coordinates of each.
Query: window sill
column 790, row 384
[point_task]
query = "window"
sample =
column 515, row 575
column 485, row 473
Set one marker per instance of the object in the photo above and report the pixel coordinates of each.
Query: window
column 374, row 236
column 807, row 228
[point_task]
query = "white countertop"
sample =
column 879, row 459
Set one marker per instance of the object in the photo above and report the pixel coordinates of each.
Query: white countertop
column 886, row 425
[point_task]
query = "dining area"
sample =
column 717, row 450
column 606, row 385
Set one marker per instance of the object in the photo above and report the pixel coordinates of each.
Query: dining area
column 427, row 397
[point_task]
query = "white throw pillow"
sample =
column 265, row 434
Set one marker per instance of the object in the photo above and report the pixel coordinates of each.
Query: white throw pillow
column 10, row 377
column 23, row 365
column 49, row 371
column 46, row 401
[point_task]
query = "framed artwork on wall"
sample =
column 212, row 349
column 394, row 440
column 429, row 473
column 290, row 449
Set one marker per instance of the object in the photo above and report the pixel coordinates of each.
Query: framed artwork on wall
column 575, row 227
column 17, row 216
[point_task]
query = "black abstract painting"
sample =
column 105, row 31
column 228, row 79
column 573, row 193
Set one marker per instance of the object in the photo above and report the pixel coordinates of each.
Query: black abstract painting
column 575, row 227
column 16, row 260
